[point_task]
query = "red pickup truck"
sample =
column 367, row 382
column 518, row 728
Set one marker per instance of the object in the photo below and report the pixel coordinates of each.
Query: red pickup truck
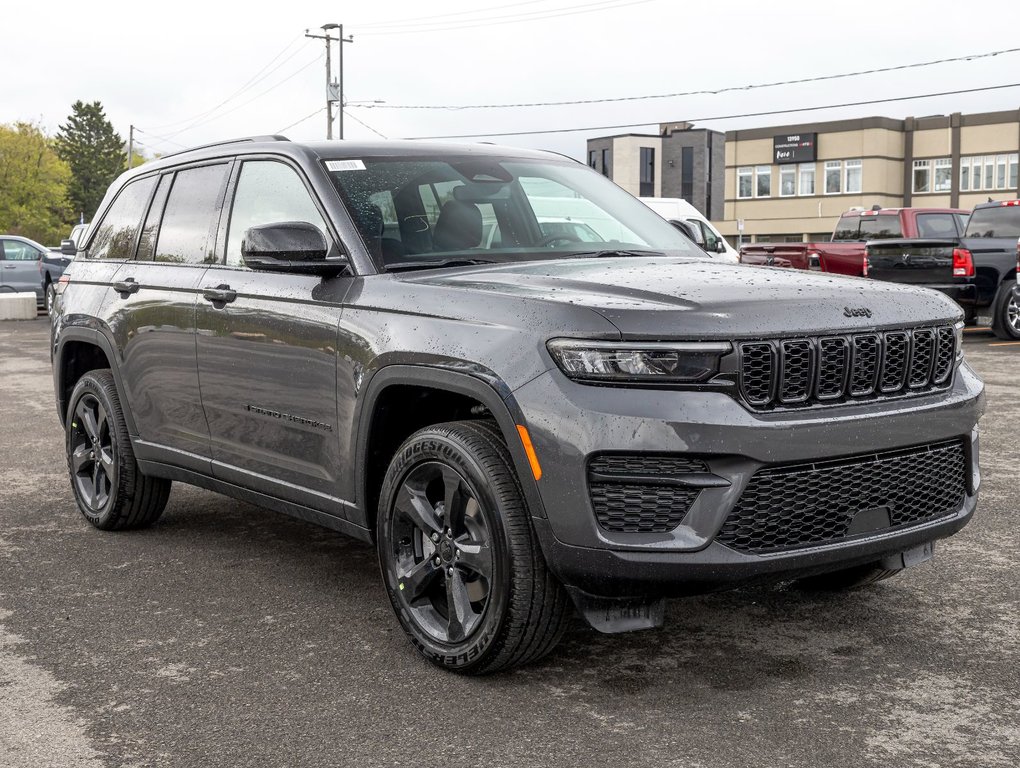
column 844, row 253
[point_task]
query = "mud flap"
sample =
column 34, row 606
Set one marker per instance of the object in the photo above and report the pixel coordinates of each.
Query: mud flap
column 612, row 615
column 910, row 558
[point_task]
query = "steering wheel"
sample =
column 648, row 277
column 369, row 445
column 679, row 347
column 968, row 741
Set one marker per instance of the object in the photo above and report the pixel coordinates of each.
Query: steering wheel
column 550, row 241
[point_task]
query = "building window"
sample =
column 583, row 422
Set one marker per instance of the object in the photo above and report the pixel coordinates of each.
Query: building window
column 763, row 181
column 745, row 182
column 943, row 174
column 833, row 177
column 807, row 179
column 854, row 173
column 989, row 173
column 787, row 180
column 687, row 173
column 647, row 177
column 922, row 176
column 607, row 164
column 592, row 159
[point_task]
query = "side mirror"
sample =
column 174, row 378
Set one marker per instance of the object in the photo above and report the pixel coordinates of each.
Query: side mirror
column 289, row 246
column 720, row 246
column 68, row 248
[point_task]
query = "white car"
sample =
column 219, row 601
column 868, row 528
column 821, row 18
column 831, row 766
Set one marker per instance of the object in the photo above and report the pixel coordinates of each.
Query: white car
column 675, row 209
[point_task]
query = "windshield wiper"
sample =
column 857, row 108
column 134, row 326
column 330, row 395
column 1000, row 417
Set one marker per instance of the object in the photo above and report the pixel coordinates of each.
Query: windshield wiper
column 614, row 252
column 432, row 264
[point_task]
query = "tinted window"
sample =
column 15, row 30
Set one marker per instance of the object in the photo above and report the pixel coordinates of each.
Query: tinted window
column 270, row 192
column 187, row 234
column 15, row 250
column 847, row 229
column 1001, row 221
column 937, row 225
column 880, row 228
column 147, row 242
column 115, row 238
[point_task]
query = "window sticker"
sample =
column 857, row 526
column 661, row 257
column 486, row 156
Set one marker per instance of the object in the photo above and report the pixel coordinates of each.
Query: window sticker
column 345, row 165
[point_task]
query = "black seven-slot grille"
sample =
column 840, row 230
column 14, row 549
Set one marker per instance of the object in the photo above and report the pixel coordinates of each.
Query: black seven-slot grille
column 637, row 493
column 826, row 369
column 787, row 507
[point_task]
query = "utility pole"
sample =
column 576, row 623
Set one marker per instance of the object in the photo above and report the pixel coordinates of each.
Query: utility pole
column 334, row 89
column 131, row 145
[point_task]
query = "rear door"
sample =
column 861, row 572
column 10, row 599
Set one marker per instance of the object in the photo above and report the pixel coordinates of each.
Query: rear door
column 152, row 311
column 267, row 350
column 19, row 267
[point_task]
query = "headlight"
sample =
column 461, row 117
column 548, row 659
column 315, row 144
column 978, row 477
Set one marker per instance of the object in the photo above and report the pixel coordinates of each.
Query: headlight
column 650, row 362
column 959, row 340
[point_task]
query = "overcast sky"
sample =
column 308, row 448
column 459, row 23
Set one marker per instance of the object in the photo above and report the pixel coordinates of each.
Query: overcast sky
column 168, row 68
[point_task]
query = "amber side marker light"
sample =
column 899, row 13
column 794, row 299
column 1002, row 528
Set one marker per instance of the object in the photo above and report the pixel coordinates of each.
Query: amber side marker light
column 529, row 449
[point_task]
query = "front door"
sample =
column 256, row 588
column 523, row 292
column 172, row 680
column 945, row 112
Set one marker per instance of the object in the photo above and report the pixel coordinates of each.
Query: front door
column 267, row 352
column 19, row 267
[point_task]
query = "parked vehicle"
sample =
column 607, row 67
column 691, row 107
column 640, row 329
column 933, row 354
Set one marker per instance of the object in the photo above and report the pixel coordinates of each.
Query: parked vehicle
column 676, row 210
column 844, row 253
column 518, row 428
column 28, row 267
column 978, row 270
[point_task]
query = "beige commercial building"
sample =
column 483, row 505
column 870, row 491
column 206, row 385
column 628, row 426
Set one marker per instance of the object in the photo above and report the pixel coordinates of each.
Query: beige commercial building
column 792, row 182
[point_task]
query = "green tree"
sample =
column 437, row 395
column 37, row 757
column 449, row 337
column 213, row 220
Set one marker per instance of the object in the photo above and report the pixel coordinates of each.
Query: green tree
column 33, row 185
column 95, row 153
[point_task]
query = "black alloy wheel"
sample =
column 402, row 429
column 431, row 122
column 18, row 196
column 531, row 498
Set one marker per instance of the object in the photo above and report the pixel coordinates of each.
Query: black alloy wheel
column 459, row 557
column 109, row 487
column 442, row 550
column 92, row 454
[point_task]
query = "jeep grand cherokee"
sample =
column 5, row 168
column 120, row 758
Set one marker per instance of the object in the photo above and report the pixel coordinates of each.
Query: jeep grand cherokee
column 381, row 339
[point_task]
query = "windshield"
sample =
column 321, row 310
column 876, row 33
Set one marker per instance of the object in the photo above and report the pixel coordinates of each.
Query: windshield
column 1000, row 221
column 428, row 211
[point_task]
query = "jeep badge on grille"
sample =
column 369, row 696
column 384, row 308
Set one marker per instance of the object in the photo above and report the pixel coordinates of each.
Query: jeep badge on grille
column 856, row 312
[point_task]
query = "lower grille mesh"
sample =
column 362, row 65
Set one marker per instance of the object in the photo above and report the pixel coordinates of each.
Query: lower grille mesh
column 805, row 505
column 636, row 500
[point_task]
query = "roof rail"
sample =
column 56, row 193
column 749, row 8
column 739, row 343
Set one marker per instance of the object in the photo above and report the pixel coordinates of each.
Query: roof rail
column 270, row 137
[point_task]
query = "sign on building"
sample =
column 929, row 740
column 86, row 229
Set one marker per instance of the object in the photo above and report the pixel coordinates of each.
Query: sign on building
column 797, row 148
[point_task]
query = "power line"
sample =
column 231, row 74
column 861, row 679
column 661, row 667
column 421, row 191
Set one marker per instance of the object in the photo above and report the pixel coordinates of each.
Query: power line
column 574, row 10
column 159, row 138
column 721, row 117
column 405, row 22
column 703, row 92
column 364, row 124
column 298, row 122
column 251, row 82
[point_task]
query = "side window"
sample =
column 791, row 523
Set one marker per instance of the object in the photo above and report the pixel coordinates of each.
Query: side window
column 961, row 222
column 15, row 250
column 881, row 228
column 268, row 192
column 187, row 234
column 147, row 242
column 711, row 240
column 847, row 229
column 115, row 237
column 936, row 225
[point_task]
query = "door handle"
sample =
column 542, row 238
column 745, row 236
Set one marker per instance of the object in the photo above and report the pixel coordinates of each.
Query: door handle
column 221, row 294
column 126, row 286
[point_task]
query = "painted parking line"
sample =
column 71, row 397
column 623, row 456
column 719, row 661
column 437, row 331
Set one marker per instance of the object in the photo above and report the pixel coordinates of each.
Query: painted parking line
column 977, row 329
column 1004, row 344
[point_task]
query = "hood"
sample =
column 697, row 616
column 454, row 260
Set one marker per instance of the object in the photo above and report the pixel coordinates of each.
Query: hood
column 673, row 297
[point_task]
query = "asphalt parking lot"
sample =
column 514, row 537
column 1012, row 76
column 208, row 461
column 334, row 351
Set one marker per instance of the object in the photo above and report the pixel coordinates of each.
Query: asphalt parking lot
column 227, row 635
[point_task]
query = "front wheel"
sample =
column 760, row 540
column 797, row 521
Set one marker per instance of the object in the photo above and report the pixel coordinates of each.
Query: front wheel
column 459, row 558
column 1006, row 313
column 50, row 298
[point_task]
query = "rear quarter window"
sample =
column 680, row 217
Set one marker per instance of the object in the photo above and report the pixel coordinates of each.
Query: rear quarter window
column 116, row 234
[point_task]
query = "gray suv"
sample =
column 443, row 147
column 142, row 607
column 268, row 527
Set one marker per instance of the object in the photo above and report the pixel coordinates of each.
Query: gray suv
column 382, row 339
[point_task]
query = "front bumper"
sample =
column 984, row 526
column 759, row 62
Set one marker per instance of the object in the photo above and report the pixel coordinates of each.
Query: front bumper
column 569, row 422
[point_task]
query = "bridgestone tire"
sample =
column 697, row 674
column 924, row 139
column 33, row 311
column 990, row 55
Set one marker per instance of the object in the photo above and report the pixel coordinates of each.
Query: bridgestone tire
column 132, row 499
column 526, row 609
column 1006, row 313
column 850, row 578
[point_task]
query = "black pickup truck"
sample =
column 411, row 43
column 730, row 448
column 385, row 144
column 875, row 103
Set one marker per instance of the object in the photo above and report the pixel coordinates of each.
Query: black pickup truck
column 978, row 270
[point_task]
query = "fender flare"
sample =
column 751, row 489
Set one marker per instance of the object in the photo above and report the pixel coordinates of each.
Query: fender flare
column 481, row 385
column 96, row 338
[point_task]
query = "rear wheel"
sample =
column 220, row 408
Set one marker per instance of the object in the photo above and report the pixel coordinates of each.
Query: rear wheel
column 1006, row 313
column 849, row 578
column 51, row 295
column 459, row 558
column 110, row 489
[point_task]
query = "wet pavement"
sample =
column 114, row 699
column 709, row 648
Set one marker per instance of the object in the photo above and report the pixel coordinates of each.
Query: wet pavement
column 227, row 635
